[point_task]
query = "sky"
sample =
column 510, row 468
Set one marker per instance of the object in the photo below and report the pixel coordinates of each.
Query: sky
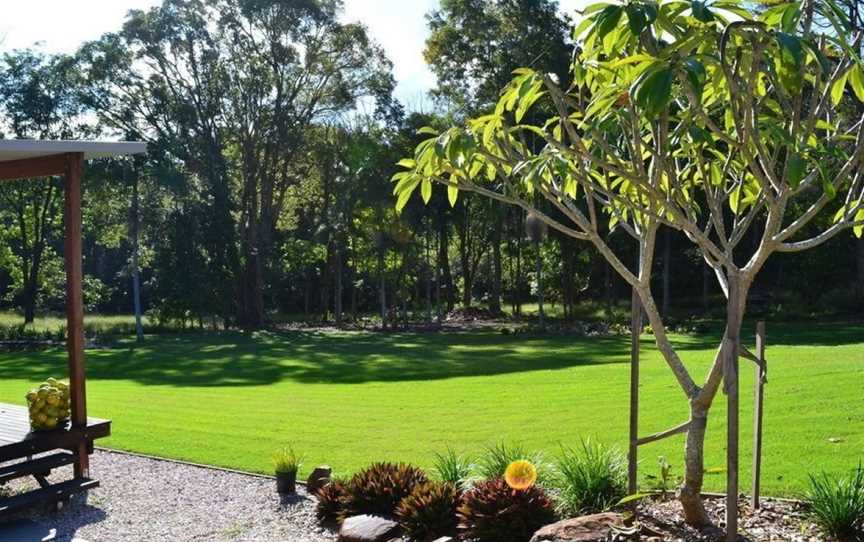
column 62, row 25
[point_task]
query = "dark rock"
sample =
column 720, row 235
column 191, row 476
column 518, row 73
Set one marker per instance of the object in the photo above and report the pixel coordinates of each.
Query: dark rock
column 319, row 478
column 367, row 529
column 594, row 528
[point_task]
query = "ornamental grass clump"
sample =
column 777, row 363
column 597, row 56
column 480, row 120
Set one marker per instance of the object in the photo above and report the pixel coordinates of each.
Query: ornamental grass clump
column 429, row 512
column 496, row 459
column 837, row 504
column 590, row 479
column 492, row 511
column 287, row 461
column 453, row 468
column 379, row 488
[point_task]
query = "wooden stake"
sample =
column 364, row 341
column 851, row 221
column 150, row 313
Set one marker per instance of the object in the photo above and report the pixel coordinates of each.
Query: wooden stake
column 75, row 304
column 730, row 376
column 761, row 370
column 635, row 332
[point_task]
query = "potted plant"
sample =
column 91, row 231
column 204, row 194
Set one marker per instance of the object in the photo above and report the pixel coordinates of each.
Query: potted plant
column 286, row 463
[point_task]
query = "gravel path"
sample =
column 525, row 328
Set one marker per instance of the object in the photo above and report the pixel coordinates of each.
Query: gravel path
column 149, row 499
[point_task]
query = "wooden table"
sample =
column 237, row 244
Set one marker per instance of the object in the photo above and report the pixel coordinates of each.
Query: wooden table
column 57, row 448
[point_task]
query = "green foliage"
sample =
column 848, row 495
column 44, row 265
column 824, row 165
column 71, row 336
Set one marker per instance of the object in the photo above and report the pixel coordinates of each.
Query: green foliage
column 429, row 512
column 493, row 512
column 287, row 461
column 590, row 479
column 331, row 502
column 379, row 488
column 495, row 459
column 837, row 503
column 453, row 468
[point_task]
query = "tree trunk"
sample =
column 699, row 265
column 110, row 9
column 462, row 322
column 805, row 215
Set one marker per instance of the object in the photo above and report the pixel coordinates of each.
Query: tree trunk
column 337, row 284
column 689, row 494
column 444, row 266
column 860, row 244
column 136, row 274
column 667, row 256
column 382, row 288
column 495, row 294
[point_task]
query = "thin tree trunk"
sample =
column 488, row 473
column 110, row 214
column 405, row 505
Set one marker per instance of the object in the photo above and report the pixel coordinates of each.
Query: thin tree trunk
column 667, row 256
column 136, row 273
column 860, row 244
column 444, row 266
column 495, row 294
column 337, row 284
column 382, row 288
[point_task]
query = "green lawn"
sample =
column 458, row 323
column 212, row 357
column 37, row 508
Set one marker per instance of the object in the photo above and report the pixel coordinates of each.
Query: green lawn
column 347, row 399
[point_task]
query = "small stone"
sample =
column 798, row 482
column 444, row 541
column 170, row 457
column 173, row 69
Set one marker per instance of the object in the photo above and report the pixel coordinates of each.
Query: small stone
column 444, row 539
column 593, row 528
column 319, row 478
column 367, row 529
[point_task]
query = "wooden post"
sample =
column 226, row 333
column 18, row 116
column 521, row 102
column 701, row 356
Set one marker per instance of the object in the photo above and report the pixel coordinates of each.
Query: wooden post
column 75, row 304
column 635, row 332
column 761, row 370
column 730, row 376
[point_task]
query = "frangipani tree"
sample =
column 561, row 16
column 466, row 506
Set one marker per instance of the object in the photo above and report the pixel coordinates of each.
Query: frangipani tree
column 712, row 119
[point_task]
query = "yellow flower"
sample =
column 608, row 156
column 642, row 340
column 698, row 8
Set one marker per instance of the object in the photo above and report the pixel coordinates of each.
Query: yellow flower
column 520, row 474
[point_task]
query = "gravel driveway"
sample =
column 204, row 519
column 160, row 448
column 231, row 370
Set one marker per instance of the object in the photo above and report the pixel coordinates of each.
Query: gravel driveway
column 150, row 499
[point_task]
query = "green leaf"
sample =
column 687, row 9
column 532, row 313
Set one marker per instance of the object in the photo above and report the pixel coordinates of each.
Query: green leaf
column 701, row 11
column 652, row 90
column 856, row 81
column 452, row 194
column 427, row 130
column 426, row 190
column 859, row 229
column 838, row 87
column 797, row 169
column 789, row 61
column 634, row 497
column 636, row 18
column 607, row 20
column 696, row 75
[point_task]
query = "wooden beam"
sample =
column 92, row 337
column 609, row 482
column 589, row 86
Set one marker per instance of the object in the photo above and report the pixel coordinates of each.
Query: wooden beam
column 75, row 304
column 761, row 370
column 635, row 333
column 681, row 428
column 41, row 166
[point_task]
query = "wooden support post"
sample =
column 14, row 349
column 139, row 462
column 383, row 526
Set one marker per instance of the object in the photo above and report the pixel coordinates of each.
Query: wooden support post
column 635, row 332
column 761, row 370
column 75, row 303
column 730, row 377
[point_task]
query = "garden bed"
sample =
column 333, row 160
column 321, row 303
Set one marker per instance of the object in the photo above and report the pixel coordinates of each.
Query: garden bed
column 775, row 521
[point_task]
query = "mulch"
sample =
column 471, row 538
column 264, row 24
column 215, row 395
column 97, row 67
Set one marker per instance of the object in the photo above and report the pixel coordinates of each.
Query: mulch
column 776, row 520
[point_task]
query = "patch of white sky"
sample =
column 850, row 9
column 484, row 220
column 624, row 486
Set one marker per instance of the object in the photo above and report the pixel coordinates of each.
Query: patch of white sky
column 400, row 26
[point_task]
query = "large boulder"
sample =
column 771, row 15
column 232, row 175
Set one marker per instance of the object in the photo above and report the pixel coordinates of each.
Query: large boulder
column 319, row 478
column 368, row 529
column 594, row 528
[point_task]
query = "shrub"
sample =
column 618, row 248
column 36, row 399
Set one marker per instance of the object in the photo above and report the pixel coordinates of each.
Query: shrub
column 286, row 461
column 493, row 512
column 331, row 501
column 453, row 468
column 837, row 504
column 379, row 488
column 590, row 479
column 497, row 458
column 429, row 512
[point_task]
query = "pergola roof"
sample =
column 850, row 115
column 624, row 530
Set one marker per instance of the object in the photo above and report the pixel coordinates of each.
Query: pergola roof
column 29, row 158
column 19, row 149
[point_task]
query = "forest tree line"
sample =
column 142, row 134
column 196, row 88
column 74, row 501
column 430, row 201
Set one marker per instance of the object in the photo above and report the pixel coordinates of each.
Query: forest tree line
column 273, row 133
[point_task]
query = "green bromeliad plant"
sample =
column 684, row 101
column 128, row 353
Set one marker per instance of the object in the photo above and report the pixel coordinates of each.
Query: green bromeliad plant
column 720, row 120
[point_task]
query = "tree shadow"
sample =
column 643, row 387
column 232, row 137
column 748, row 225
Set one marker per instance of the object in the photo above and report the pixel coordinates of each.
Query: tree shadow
column 242, row 359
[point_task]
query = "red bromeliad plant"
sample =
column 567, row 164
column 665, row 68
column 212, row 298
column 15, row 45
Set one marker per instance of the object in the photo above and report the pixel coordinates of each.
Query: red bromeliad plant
column 711, row 119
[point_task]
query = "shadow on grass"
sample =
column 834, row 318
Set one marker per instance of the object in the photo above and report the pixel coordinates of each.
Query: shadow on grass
column 239, row 359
